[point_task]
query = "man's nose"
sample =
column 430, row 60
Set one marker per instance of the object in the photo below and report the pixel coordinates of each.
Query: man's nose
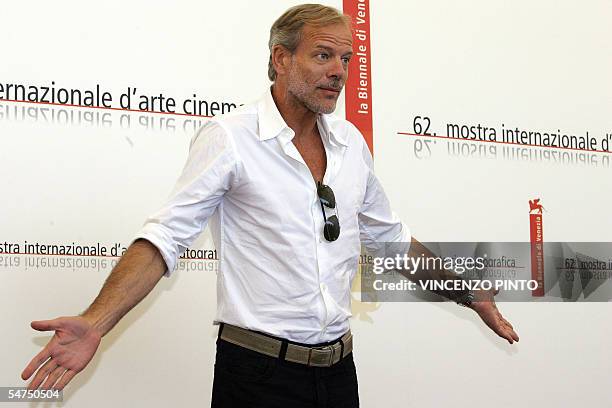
column 337, row 68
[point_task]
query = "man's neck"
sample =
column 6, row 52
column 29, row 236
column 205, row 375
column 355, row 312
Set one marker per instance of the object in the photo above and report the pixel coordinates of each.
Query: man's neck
column 299, row 118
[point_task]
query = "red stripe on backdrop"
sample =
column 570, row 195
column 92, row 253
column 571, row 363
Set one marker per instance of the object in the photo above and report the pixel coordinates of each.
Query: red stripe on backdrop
column 536, row 233
column 358, row 89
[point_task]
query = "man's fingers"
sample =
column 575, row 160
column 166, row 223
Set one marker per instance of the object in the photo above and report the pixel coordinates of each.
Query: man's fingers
column 514, row 335
column 52, row 378
column 509, row 329
column 496, row 322
column 504, row 332
column 46, row 325
column 502, row 328
column 508, row 323
column 68, row 375
column 509, row 334
column 42, row 374
column 40, row 358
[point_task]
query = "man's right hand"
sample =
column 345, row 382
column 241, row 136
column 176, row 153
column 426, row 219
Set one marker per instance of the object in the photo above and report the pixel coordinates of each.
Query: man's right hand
column 69, row 351
column 76, row 338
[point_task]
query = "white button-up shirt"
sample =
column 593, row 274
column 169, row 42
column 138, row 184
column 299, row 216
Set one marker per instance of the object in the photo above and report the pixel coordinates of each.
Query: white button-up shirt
column 277, row 272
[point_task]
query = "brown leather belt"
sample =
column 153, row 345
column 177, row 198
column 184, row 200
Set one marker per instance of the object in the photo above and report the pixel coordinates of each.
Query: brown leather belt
column 323, row 356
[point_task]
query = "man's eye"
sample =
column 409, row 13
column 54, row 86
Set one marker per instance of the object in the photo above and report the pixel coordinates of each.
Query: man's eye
column 323, row 56
column 346, row 60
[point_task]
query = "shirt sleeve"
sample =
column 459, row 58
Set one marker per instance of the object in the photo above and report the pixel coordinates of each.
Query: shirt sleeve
column 210, row 171
column 377, row 222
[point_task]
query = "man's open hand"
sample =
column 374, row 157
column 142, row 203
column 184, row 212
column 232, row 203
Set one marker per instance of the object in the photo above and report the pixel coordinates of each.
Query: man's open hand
column 72, row 347
column 484, row 305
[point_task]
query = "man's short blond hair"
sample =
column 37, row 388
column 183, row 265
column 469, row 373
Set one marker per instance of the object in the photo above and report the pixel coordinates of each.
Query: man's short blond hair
column 287, row 29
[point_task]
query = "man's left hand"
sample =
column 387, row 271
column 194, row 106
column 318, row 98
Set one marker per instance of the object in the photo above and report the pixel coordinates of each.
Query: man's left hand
column 484, row 305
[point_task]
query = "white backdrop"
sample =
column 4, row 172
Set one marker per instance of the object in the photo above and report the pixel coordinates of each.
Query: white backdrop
column 540, row 65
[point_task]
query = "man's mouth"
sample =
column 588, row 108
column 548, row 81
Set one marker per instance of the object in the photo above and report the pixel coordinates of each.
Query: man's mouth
column 334, row 90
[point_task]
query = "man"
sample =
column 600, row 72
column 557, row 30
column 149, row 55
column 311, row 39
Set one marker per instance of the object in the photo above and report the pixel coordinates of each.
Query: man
column 290, row 193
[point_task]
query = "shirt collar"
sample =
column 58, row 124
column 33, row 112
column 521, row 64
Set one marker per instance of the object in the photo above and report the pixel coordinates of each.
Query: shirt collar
column 272, row 124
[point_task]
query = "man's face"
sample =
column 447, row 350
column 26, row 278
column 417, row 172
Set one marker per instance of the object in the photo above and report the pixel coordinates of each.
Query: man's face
column 319, row 66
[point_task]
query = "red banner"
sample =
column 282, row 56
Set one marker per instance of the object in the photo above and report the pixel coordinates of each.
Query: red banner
column 537, row 252
column 358, row 89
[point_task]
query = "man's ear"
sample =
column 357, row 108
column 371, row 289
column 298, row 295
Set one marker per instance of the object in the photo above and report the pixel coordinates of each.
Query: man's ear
column 281, row 59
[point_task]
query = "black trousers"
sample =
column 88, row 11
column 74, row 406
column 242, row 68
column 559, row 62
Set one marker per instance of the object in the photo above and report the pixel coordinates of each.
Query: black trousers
column 247, row 379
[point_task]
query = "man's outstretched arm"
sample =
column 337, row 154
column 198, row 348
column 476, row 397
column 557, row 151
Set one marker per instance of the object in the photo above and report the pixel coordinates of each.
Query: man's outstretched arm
column 483, row 302
column 136, row 274
column 76, row 338
column 378, row 224
column 210, row 171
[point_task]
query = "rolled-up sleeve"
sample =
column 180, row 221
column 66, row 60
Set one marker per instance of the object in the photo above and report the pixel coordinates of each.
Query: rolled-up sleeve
column 210, row 171
column 377, row 222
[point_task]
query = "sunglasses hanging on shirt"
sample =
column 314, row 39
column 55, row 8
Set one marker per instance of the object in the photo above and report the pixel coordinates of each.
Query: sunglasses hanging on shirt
column 331, row 230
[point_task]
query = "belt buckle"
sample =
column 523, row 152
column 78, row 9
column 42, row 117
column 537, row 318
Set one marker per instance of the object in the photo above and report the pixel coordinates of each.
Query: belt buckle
column 331, row 356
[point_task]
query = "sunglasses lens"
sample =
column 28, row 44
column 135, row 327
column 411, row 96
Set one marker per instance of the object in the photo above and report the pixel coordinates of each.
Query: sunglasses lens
column 326, row 195
column 331, row 230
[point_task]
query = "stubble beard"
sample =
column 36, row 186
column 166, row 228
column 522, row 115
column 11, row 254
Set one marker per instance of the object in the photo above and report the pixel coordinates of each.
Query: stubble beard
column 299, row 89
